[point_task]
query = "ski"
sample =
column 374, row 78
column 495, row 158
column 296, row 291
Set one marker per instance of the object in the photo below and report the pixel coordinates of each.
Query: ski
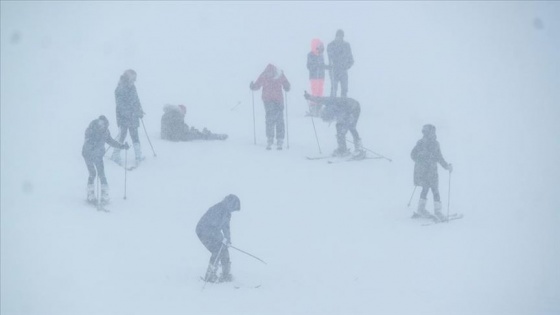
column 455, row 216
column 320, row 157
column 236, row 285
column 352, row 158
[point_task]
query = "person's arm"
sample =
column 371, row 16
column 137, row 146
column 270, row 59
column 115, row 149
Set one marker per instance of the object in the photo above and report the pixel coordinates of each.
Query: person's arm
column 441, row 160
column 112, row 142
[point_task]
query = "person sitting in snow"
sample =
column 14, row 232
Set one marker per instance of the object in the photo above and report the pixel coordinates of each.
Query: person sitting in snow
column 272, row 80
column 346, row 112
column 173, row 126
column 213, row 230
column 93, row 150
column 426, row 154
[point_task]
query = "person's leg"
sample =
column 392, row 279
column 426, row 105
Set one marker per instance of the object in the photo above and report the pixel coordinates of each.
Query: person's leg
column 269, row 122
column 91, row 178
column 343, row 83
column 104, row 185
column 226, row 265
column 342, row 149
column 334, row 82
column 136, row 145
column 280, row 127
column 421, row 212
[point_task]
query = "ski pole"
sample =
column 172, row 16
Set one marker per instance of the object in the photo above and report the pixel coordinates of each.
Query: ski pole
column 98, row 192
column 287, row 125
column 413, row 191
column 244, row 252
column 316, row 138
column 449, row 196
column 254, row 126
column 379, row 155
column 125, row 166
column 150, row 142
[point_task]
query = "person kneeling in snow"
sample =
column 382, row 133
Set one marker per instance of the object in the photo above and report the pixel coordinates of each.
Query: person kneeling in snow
column 214, row 233
column 173, row 126
column 93, row 150
column 426, row 155
column 346, row 112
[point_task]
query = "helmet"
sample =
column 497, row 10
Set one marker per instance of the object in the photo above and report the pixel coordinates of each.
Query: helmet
column 429, row 130
column 232, row 202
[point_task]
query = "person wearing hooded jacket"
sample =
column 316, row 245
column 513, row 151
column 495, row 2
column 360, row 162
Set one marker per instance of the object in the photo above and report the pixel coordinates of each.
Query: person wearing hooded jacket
column 426, row 154
column 93, row 150
column 213, row 230
column 129, row 112
column 174, row 128
column 346, row 112
column 272, row 80
column 316, row 66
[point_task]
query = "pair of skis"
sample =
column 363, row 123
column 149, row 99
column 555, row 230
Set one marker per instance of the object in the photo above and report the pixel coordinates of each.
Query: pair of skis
column 349, row 158
column 451, row 217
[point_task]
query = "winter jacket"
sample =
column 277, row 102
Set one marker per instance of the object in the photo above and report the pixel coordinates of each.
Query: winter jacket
column 272, row 81
column 340, row 55
column 95, row 138
column 129, row 109
column 316, row 61
column 173, row 125
column 426, row 154
column 217, row 218
column 344, row 110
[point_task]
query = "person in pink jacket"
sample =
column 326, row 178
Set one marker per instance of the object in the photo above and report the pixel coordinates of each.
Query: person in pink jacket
column 272, row 80
column 316, row 66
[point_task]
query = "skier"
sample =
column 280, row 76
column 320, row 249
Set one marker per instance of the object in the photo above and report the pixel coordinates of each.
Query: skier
column 129, row 112
column 346, row 112
column 272, row 80
column 340, row 60
column 173, row 126
column 213, row 230
column 96, row 135
column 426, row 154
column 316, row 66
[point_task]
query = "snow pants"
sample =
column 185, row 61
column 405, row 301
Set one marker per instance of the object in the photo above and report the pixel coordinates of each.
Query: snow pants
column 317, row 87
column 133, row 134
column 213, row 242
column 274, row 119
column 435, row 191
column 95, row 167
column 339, row 76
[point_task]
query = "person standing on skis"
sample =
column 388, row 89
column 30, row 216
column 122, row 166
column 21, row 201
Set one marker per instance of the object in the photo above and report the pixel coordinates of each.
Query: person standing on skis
column 93, row 150
column 316, row 66
column 426, row 154
column 129, row 112
column 272, row 80
column 213, row 230
column 346, row 112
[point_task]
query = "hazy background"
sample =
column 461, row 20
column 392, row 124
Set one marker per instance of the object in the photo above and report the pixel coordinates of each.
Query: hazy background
column 486, row 74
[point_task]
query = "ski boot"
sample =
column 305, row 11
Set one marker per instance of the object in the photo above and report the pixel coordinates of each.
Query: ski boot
column 116, row 156
column 269, row 144
column 341, row 152
column 421, row 212
column 437, row 212
column 279, row 145
column 138, row 153
column 105, row 199
column 91, row 194
column 226, row 275
column 211, row 274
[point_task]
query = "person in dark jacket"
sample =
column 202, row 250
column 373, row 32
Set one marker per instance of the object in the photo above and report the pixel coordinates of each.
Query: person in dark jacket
column 129, row 112
column 213, row 230
column 173, row 127
column 426, row 155
column 316, row 66
column 340, row 60
column 93, row 150
column 272, row 80
column 346, row 112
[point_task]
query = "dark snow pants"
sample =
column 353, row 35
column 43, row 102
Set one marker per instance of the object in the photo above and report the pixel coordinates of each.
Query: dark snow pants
column 435, row 191
column 274, row 119
column 94, row 164
column 339, row 76
column 133, row 134
column 213, row 242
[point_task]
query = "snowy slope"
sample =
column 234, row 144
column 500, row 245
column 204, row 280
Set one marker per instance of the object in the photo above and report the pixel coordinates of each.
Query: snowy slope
column 337, row 237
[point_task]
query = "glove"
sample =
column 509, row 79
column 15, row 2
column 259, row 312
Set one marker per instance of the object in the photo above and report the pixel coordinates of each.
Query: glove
column 252, row 85
column 141, row 115
column 306, row 95
column 125, row 146
column 226, row 242
column 450, row 167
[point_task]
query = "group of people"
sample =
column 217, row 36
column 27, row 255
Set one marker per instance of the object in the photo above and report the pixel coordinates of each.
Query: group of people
column 213, row 228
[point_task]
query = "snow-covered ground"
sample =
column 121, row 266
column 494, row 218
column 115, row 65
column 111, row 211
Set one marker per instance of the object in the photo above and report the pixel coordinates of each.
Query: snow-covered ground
column 338, row 238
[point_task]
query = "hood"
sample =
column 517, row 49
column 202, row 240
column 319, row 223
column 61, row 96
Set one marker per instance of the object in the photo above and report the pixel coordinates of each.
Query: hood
column 315, row 44
column 172, row 108
column 271, row 71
